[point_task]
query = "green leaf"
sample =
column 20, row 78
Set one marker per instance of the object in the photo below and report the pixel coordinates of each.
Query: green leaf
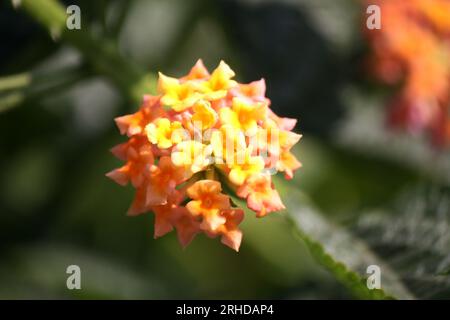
column 410, row 244
column 343, row 255
column 415, row 240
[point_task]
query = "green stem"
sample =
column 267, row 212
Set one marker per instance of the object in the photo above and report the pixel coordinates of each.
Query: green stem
column 102, row 54
column 15, row 81
column 17, row 89
column 11, row 100
column 122, row 9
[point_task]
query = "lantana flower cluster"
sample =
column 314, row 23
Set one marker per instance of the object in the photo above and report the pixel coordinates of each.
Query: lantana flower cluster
column 412, row 50
column 203, row 137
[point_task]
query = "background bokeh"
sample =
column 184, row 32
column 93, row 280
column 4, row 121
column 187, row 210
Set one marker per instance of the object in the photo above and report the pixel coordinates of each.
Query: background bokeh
column 57, row 207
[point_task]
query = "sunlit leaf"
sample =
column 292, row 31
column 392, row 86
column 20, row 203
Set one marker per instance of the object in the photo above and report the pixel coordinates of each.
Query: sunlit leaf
column 344, row 255
column 410, row 245
column 415, row 241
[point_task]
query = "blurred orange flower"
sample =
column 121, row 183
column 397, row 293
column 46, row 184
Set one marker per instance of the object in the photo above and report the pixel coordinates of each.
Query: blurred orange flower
column 412, row 49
